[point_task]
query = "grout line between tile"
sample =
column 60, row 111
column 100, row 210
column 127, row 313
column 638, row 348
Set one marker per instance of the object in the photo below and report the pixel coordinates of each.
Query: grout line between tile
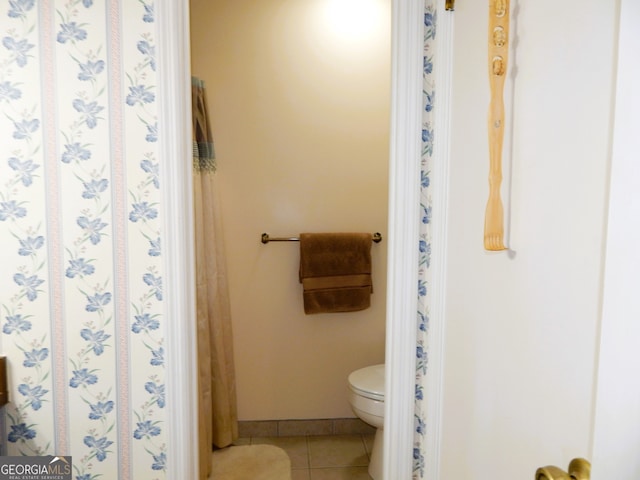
column 308, row 469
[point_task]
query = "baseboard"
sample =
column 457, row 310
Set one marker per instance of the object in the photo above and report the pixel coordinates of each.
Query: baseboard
column 295, row 428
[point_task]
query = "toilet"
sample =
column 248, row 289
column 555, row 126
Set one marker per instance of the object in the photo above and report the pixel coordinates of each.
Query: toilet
column 366, row 397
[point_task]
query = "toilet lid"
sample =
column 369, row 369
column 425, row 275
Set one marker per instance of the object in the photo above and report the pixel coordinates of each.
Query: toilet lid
column 368, row 382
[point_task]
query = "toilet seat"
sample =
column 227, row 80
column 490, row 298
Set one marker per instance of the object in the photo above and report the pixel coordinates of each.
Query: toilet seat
column 368, row 382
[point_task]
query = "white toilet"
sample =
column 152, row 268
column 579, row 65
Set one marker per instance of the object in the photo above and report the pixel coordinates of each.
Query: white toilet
column 366, row 396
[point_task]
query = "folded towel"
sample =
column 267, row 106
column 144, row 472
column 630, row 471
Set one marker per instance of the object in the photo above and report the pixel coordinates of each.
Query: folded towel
column 335, row 272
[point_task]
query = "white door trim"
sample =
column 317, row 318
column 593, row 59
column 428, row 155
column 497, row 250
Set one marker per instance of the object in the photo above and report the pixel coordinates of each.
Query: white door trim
column 616, row 438
column 407, row 43
column 174, row 86
column 175, row 147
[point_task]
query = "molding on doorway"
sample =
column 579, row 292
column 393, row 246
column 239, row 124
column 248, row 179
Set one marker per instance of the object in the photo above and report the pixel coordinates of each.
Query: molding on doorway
column 174, row 125
column 174, row 116
column 407, row 43
column 616, row 438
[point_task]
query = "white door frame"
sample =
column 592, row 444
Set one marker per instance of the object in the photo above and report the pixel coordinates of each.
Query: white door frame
column 404, row 212
column 175, row 147
column 616, row 437
column 407, row 45
column 174, row 87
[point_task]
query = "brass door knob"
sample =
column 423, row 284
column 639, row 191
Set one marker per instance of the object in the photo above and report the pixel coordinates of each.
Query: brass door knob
column 551, row 473
column 579, row 469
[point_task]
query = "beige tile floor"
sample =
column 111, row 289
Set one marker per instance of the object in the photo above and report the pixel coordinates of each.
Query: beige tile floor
column 323, row 457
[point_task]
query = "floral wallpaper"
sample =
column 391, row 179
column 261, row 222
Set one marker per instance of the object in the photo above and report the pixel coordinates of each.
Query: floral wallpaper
column 80, row 244
column 424, row 277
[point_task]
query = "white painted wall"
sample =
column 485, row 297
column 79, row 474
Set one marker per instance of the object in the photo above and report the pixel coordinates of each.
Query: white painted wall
column 522, row 327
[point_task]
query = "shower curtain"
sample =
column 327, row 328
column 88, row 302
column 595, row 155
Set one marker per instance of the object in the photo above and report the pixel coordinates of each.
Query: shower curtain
column 217, row 410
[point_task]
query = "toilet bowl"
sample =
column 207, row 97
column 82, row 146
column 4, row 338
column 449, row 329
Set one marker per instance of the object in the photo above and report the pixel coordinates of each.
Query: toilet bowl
column 366, row 397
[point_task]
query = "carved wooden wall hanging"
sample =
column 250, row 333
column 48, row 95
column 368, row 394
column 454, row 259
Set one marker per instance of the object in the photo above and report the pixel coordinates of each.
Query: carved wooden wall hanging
column 498, row 55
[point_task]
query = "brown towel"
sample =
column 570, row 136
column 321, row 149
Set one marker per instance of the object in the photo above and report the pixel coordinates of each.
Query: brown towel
column 335, row 271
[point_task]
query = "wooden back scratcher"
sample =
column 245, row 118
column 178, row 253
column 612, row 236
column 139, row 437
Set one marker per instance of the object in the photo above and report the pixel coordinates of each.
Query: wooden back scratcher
column 498, row 55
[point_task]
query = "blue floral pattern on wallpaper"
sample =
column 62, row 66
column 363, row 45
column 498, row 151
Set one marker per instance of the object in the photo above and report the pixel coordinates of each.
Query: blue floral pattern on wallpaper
column 89, row 282
column 144, row 225
column 430, row 18
column 77, row 102
column 22, row 233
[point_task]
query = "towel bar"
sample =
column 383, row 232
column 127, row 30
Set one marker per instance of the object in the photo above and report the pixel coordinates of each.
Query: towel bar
column 265, row 238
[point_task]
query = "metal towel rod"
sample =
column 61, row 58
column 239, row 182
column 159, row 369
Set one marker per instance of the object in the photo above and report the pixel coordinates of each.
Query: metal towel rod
column 376, row 237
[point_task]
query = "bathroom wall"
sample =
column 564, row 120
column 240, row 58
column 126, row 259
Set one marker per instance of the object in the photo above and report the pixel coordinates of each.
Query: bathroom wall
column 80, row 234
column 300, row 114
column 522, row 326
